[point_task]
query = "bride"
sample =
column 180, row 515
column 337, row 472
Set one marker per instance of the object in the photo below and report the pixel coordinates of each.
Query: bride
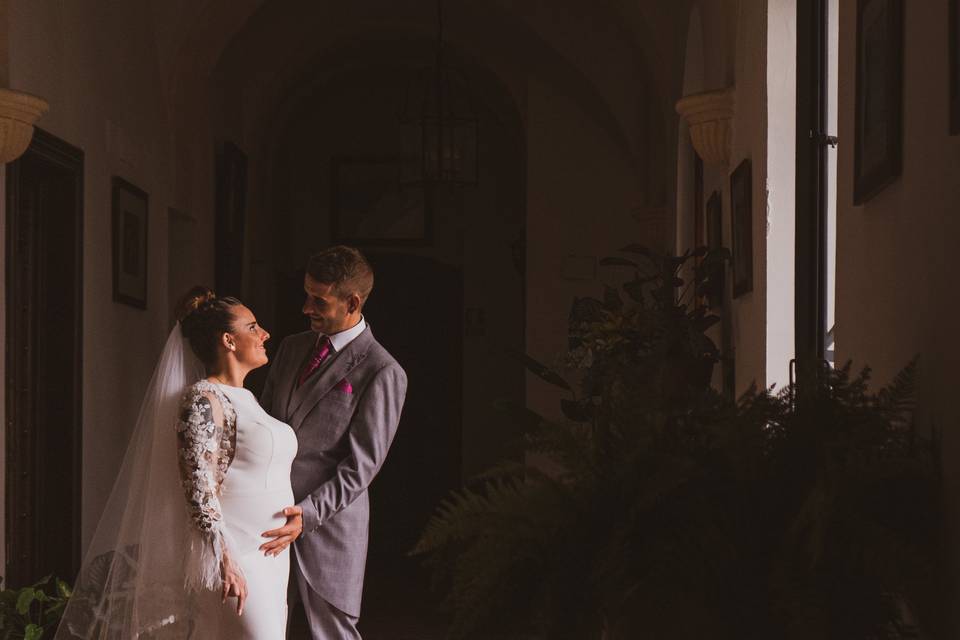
column 178, row 551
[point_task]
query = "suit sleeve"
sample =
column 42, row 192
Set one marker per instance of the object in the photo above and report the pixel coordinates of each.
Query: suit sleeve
column 266, row 396
column 371, row 432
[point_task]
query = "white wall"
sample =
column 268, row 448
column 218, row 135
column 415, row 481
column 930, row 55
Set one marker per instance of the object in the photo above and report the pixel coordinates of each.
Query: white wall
column 736, row 54
column 778, row 209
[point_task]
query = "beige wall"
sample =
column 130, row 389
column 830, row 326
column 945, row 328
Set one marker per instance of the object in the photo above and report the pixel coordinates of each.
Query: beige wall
column 96, row 65
column 896, row 254
column 168, row 78
column 579, row 203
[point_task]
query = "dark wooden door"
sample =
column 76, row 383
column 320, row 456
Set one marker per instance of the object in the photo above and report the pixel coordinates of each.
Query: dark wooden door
column 43, row 366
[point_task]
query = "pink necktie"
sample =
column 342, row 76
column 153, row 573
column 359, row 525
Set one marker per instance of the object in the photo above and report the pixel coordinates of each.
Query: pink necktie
column 320, row 353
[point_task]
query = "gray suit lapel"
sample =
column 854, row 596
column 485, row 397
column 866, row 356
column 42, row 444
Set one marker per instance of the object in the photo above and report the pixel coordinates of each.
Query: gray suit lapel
column 287, row 380
column 304, row 399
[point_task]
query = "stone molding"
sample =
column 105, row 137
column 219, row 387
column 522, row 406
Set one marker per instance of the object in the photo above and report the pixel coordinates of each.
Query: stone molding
column 18, row 112
column 709, row 116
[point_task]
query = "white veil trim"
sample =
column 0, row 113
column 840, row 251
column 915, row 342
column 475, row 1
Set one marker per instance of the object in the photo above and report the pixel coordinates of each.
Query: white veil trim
column 146, row 552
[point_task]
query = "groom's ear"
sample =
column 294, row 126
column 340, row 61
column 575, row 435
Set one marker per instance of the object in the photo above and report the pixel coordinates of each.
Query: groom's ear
column 353, row 303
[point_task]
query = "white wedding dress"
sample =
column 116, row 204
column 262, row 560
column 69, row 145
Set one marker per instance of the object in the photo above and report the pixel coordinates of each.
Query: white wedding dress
column 235, row 466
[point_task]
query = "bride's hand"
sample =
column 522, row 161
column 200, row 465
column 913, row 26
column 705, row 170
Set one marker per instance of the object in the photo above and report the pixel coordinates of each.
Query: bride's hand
column 285, row 535
column 234, row 584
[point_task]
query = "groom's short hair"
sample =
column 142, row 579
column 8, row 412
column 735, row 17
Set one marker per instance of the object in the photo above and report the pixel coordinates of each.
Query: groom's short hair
column 345, row 268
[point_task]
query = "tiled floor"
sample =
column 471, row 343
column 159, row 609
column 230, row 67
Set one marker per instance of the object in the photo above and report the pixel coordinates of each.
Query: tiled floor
column 397, row 605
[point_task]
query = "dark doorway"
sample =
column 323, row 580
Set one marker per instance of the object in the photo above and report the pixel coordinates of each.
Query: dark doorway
column 44, row 367
column 416, row 312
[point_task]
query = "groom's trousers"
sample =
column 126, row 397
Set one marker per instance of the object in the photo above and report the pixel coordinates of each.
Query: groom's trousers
column 325, row 620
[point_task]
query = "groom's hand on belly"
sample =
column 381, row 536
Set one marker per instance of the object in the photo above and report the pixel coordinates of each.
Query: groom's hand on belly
column 285, row 535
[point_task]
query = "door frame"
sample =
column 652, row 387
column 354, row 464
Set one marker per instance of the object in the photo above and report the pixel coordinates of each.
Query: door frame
column 811, row 184
column 49, row 149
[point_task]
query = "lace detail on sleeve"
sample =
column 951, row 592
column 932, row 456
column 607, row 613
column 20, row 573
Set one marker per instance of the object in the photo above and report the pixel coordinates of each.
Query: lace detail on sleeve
column 205, row 443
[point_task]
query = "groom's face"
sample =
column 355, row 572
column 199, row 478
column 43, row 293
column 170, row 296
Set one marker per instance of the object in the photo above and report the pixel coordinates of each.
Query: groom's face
column 328, row 312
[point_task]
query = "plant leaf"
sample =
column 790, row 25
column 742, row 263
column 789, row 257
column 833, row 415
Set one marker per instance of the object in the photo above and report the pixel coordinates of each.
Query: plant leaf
column 42, row 581
column 32, row 632
column 617, row 262
column 25, row 598
column 64, row 589
column 576, row 411
column 639, row 249
column 611, row 299
column 541, row 371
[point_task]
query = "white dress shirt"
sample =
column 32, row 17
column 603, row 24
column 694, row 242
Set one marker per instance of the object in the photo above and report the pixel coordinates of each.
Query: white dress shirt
column 339, row 341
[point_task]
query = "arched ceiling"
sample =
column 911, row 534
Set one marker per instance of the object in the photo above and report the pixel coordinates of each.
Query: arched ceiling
column 621, row 61
column 610, row 55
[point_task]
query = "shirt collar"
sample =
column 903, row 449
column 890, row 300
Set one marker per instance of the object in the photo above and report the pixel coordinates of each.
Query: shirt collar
column 340, row 340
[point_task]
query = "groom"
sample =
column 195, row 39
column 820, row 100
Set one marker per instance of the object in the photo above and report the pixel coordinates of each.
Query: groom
column 342, row 393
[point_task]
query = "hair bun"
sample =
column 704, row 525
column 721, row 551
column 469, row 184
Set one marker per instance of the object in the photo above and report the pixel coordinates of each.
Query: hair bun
column 194, row 299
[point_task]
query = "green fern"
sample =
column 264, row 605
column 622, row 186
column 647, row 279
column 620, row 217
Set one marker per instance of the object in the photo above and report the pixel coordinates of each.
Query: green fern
column 669, row 512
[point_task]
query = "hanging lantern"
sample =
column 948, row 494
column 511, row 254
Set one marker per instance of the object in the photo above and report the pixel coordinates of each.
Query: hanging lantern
column 440, row 128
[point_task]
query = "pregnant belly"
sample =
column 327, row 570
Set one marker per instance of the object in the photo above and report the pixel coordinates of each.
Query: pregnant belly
column 247, row 515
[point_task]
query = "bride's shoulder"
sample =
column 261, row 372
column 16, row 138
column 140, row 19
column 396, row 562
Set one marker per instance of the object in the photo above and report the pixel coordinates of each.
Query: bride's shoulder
column 202, row 390
column 200, row 387
column 204, row 397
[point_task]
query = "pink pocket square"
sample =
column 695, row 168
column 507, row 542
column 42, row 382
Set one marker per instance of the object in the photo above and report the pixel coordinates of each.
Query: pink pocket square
column 344, row 386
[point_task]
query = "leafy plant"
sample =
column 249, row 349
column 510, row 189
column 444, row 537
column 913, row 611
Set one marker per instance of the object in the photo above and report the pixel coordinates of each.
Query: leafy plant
column 28, row 612
column 671, row 512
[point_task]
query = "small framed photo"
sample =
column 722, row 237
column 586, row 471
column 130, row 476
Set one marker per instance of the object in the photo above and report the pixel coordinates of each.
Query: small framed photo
column 954, row 67
column 370, row 208
column 130, row 226
column 741, row 210
column 878, row 127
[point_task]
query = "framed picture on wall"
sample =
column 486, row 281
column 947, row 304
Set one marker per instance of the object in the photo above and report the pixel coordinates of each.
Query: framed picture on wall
column 369, row 208
column 954, row 67
column 741, row 215
column 130, row 225
column 714, row 223
column 878, row 127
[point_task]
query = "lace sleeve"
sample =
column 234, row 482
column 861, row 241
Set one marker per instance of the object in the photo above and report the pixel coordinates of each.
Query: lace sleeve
column 205, row 450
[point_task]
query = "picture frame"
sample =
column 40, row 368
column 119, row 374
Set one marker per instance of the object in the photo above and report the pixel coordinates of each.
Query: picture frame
column 714, row 229
column 130, row 213
column 230, row 207
column 878, row 127
column 369, row 207
column 954, row 65
column 741, row 216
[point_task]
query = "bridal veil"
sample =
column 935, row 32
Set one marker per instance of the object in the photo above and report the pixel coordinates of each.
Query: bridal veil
column 135, row 577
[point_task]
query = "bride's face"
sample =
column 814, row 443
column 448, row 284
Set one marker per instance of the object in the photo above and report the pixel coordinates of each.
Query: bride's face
column 248, row 338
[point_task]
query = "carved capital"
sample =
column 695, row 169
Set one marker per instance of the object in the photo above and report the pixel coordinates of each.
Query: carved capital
column 18, row 112
column 709, row 116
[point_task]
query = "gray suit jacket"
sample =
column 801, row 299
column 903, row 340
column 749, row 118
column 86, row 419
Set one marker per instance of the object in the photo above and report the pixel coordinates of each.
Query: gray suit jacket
column 344, row 438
